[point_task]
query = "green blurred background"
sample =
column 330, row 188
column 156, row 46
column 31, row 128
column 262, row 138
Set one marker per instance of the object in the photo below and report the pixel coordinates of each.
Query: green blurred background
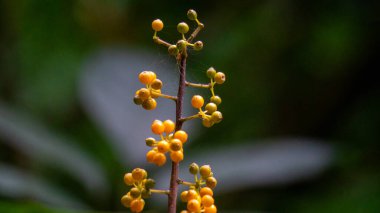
column 295, row 69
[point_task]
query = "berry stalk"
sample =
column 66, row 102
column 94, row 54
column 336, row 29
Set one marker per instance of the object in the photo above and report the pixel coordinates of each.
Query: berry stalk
column 172, row 201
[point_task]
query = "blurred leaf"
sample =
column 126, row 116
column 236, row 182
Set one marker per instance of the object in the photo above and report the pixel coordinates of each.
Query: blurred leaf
column 35, row 141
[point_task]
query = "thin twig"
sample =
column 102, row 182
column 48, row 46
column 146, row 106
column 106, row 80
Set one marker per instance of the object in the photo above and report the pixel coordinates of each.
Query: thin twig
column 206, row 86
column 196, row 31
column 160, row 191
column 160, row 41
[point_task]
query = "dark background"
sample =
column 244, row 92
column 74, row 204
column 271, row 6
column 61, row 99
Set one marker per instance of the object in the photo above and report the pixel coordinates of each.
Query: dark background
column 300, row 82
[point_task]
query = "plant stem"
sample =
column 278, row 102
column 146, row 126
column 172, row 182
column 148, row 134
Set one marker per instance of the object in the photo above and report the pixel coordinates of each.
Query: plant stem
column 172, row 201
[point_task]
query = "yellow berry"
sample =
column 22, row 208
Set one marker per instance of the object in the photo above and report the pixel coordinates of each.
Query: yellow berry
column 216, row 99
column 126, row 200
column 149, row 104
column 182, row 27
column 193, row 205
column 181, row 135
column 198, row 45
column 176, row 156
column 157, row 25
column 211, row 209
column 216, row 117
column 207, row 200
column 205, row 171
column 211, row 182
column 150, row 156
column 128, row 179
column 211, row 107
column 147, row 77
column 184, row 196
column 144, row 93
column 206, row 191
column 191, row 14
column 159, row 159
column 169, row 126
column 211, row 72
column 156, row 84
column 138, row 174
column 207, row 122
column 197, row 101
column 158, row 127
column 175, row 145
column 137, row 205
column 219, row 78
column 163, row 146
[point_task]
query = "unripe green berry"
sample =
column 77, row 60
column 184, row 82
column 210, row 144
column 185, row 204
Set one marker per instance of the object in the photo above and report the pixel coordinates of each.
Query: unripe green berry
column 181, row 45
column 191, row 14
column 149, row 183
column 207, row 123
column 150, row 141
column 216, row 116
column 205, row 171
column 173, row 50
column 182, row 27
column 198, row 45
column 146, row 193
column 216, row 100
column 156, row 84
column 137, row 100
column 135, row 192
column 220, row 78
column 211, row 72
column 211, row 182
column 194, row 168
column 211, row 107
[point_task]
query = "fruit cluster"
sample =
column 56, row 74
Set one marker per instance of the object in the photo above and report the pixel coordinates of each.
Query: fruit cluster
column 141, row 189
column 170, row 142
column 199, row 198
column 146, row 96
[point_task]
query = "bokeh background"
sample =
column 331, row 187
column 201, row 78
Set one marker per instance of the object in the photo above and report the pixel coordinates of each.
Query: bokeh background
column 301, row 103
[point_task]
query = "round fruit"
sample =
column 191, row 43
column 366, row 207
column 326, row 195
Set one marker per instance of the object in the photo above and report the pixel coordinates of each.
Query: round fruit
column 137, row 205
column 198, row 45
column 219, row 78
column 216, row 100
column 194, row 168
column 205, row 171
column 175, row 145
column 183, row 28
column 163, row 146
column 176, row 156
column 169, row 126
column 207, row 123
column 211, row 107
column 211, row 182
column 211, row 72
column 126, row 200
column 217, row 117
column 144, row 93
column 207, row 200
column 128, row 179
column 158, row 127
column 184, row 196
column 149, row 104
column 211, row 209
column 181, row 135
column 146, row 77
column 156, row 84
column 159, row 159
column 150, row 156
column 173, row 50
column 157, row 25
column 193, row 205
column 206, row 191
column 191, row 14
column 138, row 174
column 197, row 101
column 150, row 142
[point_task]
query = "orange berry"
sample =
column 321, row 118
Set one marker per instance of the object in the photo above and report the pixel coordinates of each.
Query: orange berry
column 193, row 205
column 169, row 126
column 205, row 171
column 126, row 200
column 211, row 209
column 159, row 159
column 192, row 194
column 211, row 182
column 128, row 179
column 143, row 93
column 158, row 127
column 157, row 25
column 137, row 205
column 163, row 146
column 197, row 101
column 184, row 196
column 175, row 145
column 207, row 201
column 176, row 156
column 150, row 155
column 139, row 174
column 149, row 104
column 206, row 191
column 147, row 77
column 181, row 135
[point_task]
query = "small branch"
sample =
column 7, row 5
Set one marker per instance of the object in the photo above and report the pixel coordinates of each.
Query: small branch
column 196, row 31
column 205, row 86
column 159, row 191
column 165, row 96
column 160, row 41
column 179, row 181
column 190, row 117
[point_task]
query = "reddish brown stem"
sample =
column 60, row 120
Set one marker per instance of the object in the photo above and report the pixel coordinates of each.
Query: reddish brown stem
column 172, row 201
